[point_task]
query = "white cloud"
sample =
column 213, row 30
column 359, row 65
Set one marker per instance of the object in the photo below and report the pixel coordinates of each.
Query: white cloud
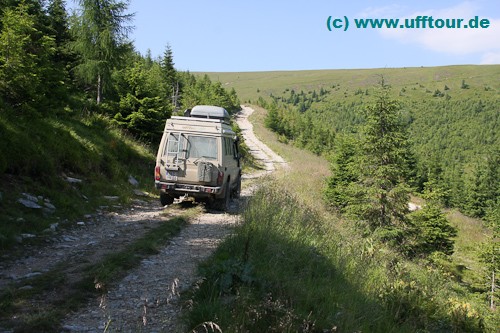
column 458, row 41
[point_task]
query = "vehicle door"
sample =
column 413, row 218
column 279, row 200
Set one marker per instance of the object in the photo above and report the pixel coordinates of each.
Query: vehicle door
column 231, row 163
column 173, row 157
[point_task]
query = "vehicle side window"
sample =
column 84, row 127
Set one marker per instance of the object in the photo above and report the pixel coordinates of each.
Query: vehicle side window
column 235, row 150
column 228, row 147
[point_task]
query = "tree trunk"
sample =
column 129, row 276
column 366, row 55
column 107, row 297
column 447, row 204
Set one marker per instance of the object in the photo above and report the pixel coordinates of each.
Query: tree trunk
column 492, row 299
column 99, row 89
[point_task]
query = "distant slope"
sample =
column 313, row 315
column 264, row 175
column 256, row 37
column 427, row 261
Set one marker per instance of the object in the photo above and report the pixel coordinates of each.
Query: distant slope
column 252, row 85
column 452, row 113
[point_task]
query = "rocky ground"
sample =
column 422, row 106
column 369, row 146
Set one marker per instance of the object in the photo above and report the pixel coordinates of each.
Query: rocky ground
column 147, row 298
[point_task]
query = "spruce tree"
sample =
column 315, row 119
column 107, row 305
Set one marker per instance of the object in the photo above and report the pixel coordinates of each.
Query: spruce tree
column 431, row 231
column 344, row 172
column 167, row 67
column 100, row 37
column 62, row 59
column 383, row 166
column 25, row 60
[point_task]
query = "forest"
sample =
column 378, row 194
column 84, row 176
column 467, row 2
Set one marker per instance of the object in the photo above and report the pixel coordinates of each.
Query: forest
column 78, row 100
column 54, row 63
column 453, row 133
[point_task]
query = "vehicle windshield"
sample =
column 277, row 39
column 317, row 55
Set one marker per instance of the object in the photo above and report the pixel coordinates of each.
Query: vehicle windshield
column 202, row 147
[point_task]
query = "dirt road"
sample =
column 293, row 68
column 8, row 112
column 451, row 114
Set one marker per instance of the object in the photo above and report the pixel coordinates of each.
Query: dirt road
column 147, row 298
column 262, row 153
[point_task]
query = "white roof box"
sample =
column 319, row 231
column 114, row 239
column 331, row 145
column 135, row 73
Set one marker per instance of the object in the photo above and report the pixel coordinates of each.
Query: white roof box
column 210, row 112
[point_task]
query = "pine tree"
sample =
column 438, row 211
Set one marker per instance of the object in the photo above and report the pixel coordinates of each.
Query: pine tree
column 384, row 163
column 100, row 38
column 432, row 232
column 25, row 59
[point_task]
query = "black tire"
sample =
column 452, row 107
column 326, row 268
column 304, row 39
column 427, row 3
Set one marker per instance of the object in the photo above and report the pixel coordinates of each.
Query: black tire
column 166, row 199
column 222, row 204
column 237, row 189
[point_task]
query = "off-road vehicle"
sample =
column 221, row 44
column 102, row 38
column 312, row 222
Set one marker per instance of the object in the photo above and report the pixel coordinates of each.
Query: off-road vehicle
column 198, row 157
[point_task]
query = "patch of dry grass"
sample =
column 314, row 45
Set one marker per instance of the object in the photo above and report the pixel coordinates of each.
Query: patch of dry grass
column 471, row 234
column 306, row 173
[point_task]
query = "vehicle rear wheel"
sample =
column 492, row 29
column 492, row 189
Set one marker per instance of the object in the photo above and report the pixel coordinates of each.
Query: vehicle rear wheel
column 237, row 189
column 223, row 203
column 166, row 199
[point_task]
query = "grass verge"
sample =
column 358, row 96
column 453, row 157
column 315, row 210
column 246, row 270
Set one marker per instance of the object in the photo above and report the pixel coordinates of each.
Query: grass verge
column 285, row 269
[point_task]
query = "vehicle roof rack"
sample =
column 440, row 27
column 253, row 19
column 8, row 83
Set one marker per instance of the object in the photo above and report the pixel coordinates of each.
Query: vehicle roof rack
column 210, row 112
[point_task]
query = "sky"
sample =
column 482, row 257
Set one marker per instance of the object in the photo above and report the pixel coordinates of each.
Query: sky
column 266, row 35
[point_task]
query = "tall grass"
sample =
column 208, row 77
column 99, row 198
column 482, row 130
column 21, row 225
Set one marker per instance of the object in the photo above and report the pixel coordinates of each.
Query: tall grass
column 293, row 266
column 286, row 270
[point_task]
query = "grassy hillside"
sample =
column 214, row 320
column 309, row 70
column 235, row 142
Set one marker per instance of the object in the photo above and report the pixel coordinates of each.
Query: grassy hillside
column 70, row 164
column 252, row 85
column 453, row 120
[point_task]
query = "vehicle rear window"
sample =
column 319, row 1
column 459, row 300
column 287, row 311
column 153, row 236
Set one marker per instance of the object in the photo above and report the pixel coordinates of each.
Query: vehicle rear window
column 174, row 145
column 202, row 146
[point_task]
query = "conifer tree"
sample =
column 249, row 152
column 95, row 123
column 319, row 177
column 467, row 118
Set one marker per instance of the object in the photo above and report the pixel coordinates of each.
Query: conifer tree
column 167, row 66
column 25, row 59
column 172, row 83
column 62, row 59
column 431, row 231
column 385, row 149
column 368, row 181
column 100, row 38
column 344, row 172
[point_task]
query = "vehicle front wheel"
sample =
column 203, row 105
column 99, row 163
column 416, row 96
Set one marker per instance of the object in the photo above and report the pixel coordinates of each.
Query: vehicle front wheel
column 166, row 199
